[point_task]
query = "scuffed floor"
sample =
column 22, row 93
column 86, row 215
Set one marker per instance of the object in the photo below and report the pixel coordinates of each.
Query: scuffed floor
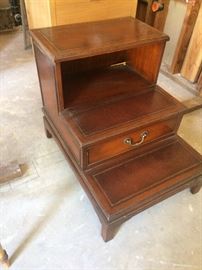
column 46, row 220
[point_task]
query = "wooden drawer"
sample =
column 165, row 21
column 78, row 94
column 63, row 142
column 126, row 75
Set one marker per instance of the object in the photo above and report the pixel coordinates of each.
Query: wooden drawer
column 129, row 141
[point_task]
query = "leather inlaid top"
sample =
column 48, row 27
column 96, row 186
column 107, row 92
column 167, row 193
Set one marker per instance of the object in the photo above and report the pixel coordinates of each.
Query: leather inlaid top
column 130, row 178
column 87, row 39
column 114, row 113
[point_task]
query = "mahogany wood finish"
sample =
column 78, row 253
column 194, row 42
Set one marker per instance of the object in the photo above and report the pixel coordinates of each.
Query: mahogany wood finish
column 69, row 42
column 100, row 98
column 146, row 60
column 115, row 146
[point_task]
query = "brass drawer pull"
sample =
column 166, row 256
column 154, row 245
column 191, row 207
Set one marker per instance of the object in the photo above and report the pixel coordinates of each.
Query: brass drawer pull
column 130, row 141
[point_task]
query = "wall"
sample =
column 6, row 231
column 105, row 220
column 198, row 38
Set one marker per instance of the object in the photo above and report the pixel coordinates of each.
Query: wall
column 174, row 20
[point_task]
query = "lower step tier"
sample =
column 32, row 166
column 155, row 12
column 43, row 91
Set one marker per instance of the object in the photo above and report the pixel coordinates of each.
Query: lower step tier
column 123, row 188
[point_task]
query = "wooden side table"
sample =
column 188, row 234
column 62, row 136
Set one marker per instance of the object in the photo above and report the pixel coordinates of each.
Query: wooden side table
column 115, row 125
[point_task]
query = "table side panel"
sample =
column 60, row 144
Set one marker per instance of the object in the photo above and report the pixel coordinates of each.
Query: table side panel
column 46, row 73
column 146, row 60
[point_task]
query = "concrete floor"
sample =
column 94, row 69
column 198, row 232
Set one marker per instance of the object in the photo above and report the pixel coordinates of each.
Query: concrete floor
column 46, row 220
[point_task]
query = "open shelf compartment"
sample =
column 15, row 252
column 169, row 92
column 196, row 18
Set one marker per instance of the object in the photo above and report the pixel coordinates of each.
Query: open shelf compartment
column 113, row 97
column 101, row 85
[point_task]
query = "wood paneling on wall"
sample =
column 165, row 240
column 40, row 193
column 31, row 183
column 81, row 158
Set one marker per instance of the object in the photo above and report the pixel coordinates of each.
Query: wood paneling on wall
column 38, row 13
column 43, row 13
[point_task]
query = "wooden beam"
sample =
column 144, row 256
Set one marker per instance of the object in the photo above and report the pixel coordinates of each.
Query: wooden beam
column 150, row 15
column 193, row 60
column 185, row 35
column 141, row 10
column 160, row 17
column 157, row 19
column 199, row 84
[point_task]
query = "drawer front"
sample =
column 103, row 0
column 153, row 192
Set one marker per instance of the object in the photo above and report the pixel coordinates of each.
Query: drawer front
column 130, row 141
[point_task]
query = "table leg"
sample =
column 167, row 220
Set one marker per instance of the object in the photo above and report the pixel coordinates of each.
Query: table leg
column 196, row 185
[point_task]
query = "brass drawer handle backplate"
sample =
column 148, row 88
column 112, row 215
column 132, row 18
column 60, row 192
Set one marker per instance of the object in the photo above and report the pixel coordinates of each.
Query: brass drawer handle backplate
column 129, row 141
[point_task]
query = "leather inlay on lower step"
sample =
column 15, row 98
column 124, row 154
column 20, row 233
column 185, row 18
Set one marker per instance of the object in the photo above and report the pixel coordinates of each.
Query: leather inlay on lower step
column 113, row 114
column 135, row 176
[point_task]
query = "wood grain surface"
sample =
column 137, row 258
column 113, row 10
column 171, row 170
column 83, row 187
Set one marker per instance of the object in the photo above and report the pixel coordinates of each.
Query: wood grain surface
column 47, row 13
column 70, row 42
column 192, row 63
column 184, row 37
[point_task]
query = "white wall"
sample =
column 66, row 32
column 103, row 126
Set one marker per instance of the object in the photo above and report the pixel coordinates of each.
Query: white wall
column 173, row 25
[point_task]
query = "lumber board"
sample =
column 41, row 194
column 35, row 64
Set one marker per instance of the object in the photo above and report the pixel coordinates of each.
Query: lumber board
column 160, row 17
column 192, row 63
column 184, row 37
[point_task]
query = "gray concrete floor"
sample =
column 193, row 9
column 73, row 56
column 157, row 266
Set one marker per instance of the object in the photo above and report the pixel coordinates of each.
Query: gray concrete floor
column 46, row 220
